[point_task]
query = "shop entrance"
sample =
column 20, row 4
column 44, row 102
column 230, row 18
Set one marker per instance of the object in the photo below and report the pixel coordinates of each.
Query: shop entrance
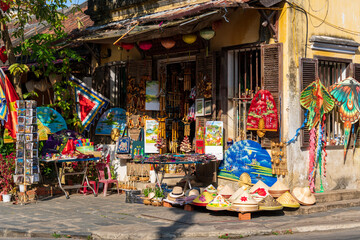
column 178, row 79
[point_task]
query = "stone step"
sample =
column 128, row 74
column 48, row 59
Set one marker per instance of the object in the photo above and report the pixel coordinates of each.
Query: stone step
column 323, row 207
column 337, row 195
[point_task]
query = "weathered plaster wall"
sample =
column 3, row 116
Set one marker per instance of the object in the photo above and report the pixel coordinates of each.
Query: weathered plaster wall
column 292, row 32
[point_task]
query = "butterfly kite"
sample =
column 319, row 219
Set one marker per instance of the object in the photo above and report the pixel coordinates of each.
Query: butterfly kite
column 317, row 100
column 346, row 93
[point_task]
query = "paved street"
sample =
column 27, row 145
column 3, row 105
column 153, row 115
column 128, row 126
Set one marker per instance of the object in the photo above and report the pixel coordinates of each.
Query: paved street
column 111, row 218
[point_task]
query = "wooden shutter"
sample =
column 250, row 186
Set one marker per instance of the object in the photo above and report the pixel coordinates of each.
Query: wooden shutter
column 308, row 74
column 139, row 68
column 271, row 72
column 101, row 80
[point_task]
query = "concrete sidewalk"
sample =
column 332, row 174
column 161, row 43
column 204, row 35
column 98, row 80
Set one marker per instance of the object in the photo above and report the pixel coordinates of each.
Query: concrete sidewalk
column 111, row 218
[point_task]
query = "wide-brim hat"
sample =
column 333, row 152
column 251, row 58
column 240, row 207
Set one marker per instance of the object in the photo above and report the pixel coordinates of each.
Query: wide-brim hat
column 219, row 203
column 278, row 189
column 192, row 192
column 287, row 200
column 304, row 196
column 269, row 204
column 203, row 199
column 177, row 192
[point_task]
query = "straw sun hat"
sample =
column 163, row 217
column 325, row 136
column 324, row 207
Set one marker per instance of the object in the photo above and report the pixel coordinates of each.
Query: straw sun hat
column 287, row 200
column 304, row 196
column 278, row 189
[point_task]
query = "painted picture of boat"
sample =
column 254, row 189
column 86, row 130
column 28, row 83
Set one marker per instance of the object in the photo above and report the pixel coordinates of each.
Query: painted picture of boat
column 112, row 118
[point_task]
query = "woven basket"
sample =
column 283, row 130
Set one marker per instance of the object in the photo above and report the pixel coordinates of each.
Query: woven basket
column 144, row 179
column 134, row 178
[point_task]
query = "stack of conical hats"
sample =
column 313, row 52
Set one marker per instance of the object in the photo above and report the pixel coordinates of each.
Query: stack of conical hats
column 259, row 191
column 269, row 204
column 203, row 199
column 244, row 203
column 218, row 203
column 278, row 189
column 287, row 200
column 237, row 193
column 226, row 191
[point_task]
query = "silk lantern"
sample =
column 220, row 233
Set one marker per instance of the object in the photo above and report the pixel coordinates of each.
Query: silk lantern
column 127, row 46
column 189, row 38
column 145, row 45
column 168, row 43
column 207, row 33
column 3, row 56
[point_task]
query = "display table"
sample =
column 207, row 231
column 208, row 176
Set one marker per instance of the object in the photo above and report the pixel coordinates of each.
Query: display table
column 63, row 173
column 182, row 159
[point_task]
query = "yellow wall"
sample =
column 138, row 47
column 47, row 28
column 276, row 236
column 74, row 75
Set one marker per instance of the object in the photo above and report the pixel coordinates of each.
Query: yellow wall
column 335, row 18
column 118, row 54
column 243, row 27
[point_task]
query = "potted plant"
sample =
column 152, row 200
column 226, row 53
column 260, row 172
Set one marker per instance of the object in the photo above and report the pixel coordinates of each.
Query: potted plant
column 148, row 194
column 7, row 169
column 159, row 195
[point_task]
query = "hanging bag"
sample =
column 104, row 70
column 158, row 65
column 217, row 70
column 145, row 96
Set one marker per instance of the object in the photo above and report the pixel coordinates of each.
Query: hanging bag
column 137, row 150
column 123, row 143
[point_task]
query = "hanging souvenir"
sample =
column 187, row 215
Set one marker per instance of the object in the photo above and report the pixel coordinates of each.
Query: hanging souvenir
column 127, row 46
column 185, row 145
column 145, row 45
column 189, row 38
column 262, row 113
column 317, row 100
column 207, row 34
column 168, row 43
column 346, row 94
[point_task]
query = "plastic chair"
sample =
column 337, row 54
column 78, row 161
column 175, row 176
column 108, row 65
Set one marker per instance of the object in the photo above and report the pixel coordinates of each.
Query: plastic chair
column 101, row 175
column 86, row 191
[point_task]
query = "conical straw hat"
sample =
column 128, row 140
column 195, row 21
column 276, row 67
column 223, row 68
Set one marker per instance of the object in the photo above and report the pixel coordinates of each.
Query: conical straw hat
column 203, row 199
column 304, row 196
column 245, row 199
column 226, row 191
column 220, row 187
column 218, row 203
column 287, row 200
column 210, row 189
column 278, row 188
column 259, row 184
column 269, row 204
column 237, row 194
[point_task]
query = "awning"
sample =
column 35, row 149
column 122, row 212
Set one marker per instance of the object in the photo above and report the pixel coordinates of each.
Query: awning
column 168, row 23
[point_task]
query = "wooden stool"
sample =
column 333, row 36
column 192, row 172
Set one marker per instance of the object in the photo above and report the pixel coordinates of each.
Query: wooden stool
column 189, row 207
column 244, row 216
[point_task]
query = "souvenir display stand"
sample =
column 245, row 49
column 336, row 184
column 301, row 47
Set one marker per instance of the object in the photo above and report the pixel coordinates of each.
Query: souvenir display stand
column 61, row 173
column 27, row 163
column 164, row 159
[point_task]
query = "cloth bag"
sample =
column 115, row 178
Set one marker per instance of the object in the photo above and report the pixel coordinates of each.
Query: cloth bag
column 123, row 143
column 137, row 149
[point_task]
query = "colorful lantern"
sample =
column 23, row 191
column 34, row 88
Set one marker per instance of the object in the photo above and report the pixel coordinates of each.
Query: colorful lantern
column 207, row 33
column 127, row 46
column 189, row 38
column 3, row 56
column 145, row 45
column 168, row 43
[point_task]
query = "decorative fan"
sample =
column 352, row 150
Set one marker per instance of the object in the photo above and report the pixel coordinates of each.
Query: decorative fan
column 115, row 134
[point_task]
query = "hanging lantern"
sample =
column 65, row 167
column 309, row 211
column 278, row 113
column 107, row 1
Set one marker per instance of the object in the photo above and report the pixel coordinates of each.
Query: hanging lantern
column 3, row 56
column 168, row 43
column 207, row 33
column 145, row 45
column 42, row 85
column 127, row 46
column 189, row 38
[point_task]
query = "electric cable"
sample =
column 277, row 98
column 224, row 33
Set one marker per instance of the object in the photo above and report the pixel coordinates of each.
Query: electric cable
column 326, row 14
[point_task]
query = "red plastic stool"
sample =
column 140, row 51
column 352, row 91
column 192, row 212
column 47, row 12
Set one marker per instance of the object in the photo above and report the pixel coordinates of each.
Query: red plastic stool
column 89, row 191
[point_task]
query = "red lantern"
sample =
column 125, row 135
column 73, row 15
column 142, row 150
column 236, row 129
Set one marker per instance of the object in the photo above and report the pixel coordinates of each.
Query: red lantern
column 127, row 46
column 168, row 43
column 4, row 5
column 3, row 56
column 145, row 45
